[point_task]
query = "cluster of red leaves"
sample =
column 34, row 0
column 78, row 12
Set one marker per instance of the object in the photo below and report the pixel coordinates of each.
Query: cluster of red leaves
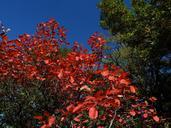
column 115, row 95
column 96, row 42
column 47, row 121
column 91, row 88
column 25, row 57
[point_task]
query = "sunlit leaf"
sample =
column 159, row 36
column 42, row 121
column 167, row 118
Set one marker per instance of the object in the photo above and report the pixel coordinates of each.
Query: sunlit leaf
column 111, row 78
column 133, row 89
column 77, row 108
column 105, row 73
column 85, row 87
column 60, row 75
column 153, row 99
column 156, row 118
column 132, row 113
column 124, row 81
column 93, row 113
column 71, row 79
column 145, row 115
column 51, row 121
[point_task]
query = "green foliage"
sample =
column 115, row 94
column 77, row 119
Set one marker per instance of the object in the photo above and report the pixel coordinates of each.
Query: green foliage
column 141, row 25
column 64, row 51
column 143, row 29
column 19, row 103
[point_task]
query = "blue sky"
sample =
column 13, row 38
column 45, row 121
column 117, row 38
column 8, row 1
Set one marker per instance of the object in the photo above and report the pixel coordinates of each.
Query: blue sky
column 80, row 17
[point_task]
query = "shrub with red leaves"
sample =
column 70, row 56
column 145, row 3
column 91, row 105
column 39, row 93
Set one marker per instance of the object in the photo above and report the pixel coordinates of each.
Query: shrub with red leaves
column 89, row 95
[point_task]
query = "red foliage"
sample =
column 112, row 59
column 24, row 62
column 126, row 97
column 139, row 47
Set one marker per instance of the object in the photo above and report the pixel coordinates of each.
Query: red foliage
column 93, row 113
column 46, row 120
column 91, row 88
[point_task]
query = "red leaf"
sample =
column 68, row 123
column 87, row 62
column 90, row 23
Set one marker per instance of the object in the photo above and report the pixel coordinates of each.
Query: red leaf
column 100, row 127
column 40, row 78
column 38, row 117
column 18, row 43
column 151, row 110
column 72, row 79
column 132, row 113
column 133, row 89
column 156, row 118
column 93, row 113
column 105, row 73
column 76, row 119
column 51, row 121
column 60, row 75
column 152, row 99
column 111, row 78
column 117, row 102
column 85, row 87
column 46, row 114
column 125, row 82
column 145, row 115
column 44, row 126
column 90, row 98
column 77, row 108
column 85, row 121
column 70, row 108
column 4, row 37
column 46, row 61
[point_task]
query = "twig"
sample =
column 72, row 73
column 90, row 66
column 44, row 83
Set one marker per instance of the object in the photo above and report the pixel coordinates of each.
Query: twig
column 111, row 122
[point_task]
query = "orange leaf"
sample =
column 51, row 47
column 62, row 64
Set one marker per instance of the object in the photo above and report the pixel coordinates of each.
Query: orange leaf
column 125, row 82
column 133, row 89
column 105, row 73
column 111, row 78
column 156, row 118
column 93, row 113
column 72, row 79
